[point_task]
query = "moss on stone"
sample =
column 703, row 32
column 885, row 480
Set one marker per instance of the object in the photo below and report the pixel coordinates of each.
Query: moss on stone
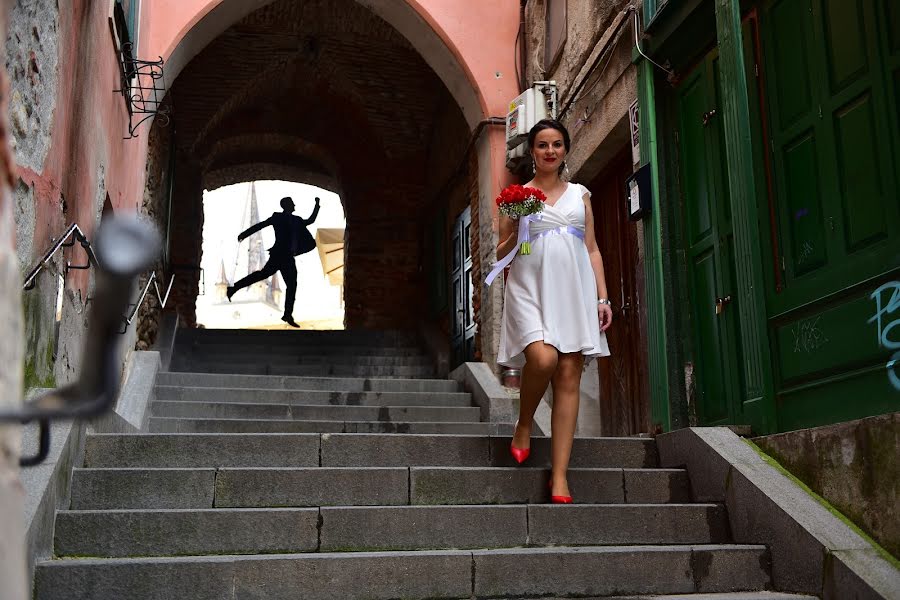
column 38, row 363
column 774, row 464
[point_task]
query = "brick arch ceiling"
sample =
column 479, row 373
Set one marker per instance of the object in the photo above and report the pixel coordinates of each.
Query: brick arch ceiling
column 406, row 16
column 328, row 74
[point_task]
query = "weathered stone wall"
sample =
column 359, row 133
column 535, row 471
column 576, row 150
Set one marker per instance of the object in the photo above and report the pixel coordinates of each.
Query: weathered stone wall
column 12, row 535
column 603, row 89
column 155, row 207
column 72, row 164
column 854, row 466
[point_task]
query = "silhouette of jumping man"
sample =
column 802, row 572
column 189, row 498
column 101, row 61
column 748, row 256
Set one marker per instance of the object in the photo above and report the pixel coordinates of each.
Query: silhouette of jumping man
column 291, row 239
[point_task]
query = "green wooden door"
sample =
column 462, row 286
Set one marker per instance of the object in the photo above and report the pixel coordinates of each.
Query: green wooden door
column 710, row 248
column 831, row 68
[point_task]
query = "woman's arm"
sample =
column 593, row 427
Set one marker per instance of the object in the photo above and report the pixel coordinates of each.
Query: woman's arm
column 508, row 237
column 590, row 240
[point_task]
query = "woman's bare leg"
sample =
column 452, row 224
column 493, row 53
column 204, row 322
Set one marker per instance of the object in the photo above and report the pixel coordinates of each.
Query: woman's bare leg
column 540, row 364
column 566, row 383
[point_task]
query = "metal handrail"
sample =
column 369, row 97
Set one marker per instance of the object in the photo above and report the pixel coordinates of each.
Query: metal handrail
column 127, row 247
column 63, row 242
column 137, row 305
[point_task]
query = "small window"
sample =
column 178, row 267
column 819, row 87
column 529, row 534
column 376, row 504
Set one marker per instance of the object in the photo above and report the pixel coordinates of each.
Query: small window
column 555, row 29
column 126, row 18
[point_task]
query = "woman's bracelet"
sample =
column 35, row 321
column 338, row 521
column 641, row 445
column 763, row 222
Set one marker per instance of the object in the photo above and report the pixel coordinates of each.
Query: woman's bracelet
column 604, row 301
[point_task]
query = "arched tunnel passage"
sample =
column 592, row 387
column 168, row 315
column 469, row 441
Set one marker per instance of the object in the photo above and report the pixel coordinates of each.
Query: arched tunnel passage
column 325, row 93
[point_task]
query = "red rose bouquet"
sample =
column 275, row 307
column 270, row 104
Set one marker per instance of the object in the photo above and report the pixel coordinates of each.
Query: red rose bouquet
column 520, row 201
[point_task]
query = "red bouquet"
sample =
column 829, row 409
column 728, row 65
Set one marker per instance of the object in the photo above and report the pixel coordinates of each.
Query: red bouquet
column 520, row 201
column 517, row 201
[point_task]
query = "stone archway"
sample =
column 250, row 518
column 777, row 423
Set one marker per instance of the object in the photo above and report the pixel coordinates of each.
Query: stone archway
column 180, row 35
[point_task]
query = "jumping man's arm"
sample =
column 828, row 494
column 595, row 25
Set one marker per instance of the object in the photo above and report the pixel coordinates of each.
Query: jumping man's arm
column 312, row 217
column 253, row 229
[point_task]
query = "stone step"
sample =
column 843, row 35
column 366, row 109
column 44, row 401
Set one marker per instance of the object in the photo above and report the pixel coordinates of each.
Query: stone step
column 328, row 384
column 123, row 533
column 263, row 347
column 298, row 338
column 236, row 410
column 519, row 572
column 350, row 450
column 287, row 358
column 312, row 397
column 120, row 488
column 325, row 370
column 245, row 425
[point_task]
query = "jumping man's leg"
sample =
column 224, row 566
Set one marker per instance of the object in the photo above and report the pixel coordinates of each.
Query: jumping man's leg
column 269, row 269
column 540, row 363
column 566, row 383
column 289, row 272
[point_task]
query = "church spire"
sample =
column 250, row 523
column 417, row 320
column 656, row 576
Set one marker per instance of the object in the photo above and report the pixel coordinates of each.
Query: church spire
column 257, row 254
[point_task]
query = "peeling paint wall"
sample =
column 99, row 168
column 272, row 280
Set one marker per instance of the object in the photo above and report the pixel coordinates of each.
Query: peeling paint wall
column 594, row 70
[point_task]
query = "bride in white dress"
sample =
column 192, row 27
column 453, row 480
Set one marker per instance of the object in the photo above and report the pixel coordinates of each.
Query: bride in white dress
column 555, row 307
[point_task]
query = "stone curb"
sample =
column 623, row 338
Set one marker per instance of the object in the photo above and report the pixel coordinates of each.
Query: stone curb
column 813, row 552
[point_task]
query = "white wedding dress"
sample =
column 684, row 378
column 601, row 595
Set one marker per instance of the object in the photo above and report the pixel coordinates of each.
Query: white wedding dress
column 551, row 294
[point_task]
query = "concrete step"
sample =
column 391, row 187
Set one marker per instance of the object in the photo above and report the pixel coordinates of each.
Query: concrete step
column 327, row 384
column 120, row 488
column 262, row 347
column 285, row 358
column 325, row 370
column 565, row 571
column 298, row 338
column 350, row 450
column 123, row 533
column 245, row 425
column 310, row 397
column 236, row 410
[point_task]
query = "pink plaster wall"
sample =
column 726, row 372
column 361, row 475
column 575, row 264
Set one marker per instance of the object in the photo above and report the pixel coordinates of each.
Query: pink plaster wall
column 89, row 124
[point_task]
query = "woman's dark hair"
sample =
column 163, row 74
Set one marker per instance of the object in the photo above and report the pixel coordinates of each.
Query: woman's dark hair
column 548, row 124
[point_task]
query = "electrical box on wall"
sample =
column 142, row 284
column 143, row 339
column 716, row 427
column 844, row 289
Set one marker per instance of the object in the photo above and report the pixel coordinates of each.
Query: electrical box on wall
column 536, row 103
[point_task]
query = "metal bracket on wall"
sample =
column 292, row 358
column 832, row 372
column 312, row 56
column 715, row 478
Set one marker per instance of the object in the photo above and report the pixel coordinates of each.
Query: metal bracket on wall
column 143, row 89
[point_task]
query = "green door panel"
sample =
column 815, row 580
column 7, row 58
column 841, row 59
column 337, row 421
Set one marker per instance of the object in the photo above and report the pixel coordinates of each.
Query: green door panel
column 802, row 212
column 892, row 19
column 860, row 172
column 834, row 130
column 712, row 385
column 848, row 58
column 790, row 59
column 839, row 337
column 694, row 172
column 844, row 397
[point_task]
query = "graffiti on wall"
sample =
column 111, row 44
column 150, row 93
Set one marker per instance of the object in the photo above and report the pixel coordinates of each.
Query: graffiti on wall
column 887, row 319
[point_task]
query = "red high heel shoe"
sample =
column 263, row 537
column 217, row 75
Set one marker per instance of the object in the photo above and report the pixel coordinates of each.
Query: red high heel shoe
column 558, row 499
column 519, row 454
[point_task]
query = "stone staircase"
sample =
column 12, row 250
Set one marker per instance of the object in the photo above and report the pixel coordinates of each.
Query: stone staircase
column 305, row 465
